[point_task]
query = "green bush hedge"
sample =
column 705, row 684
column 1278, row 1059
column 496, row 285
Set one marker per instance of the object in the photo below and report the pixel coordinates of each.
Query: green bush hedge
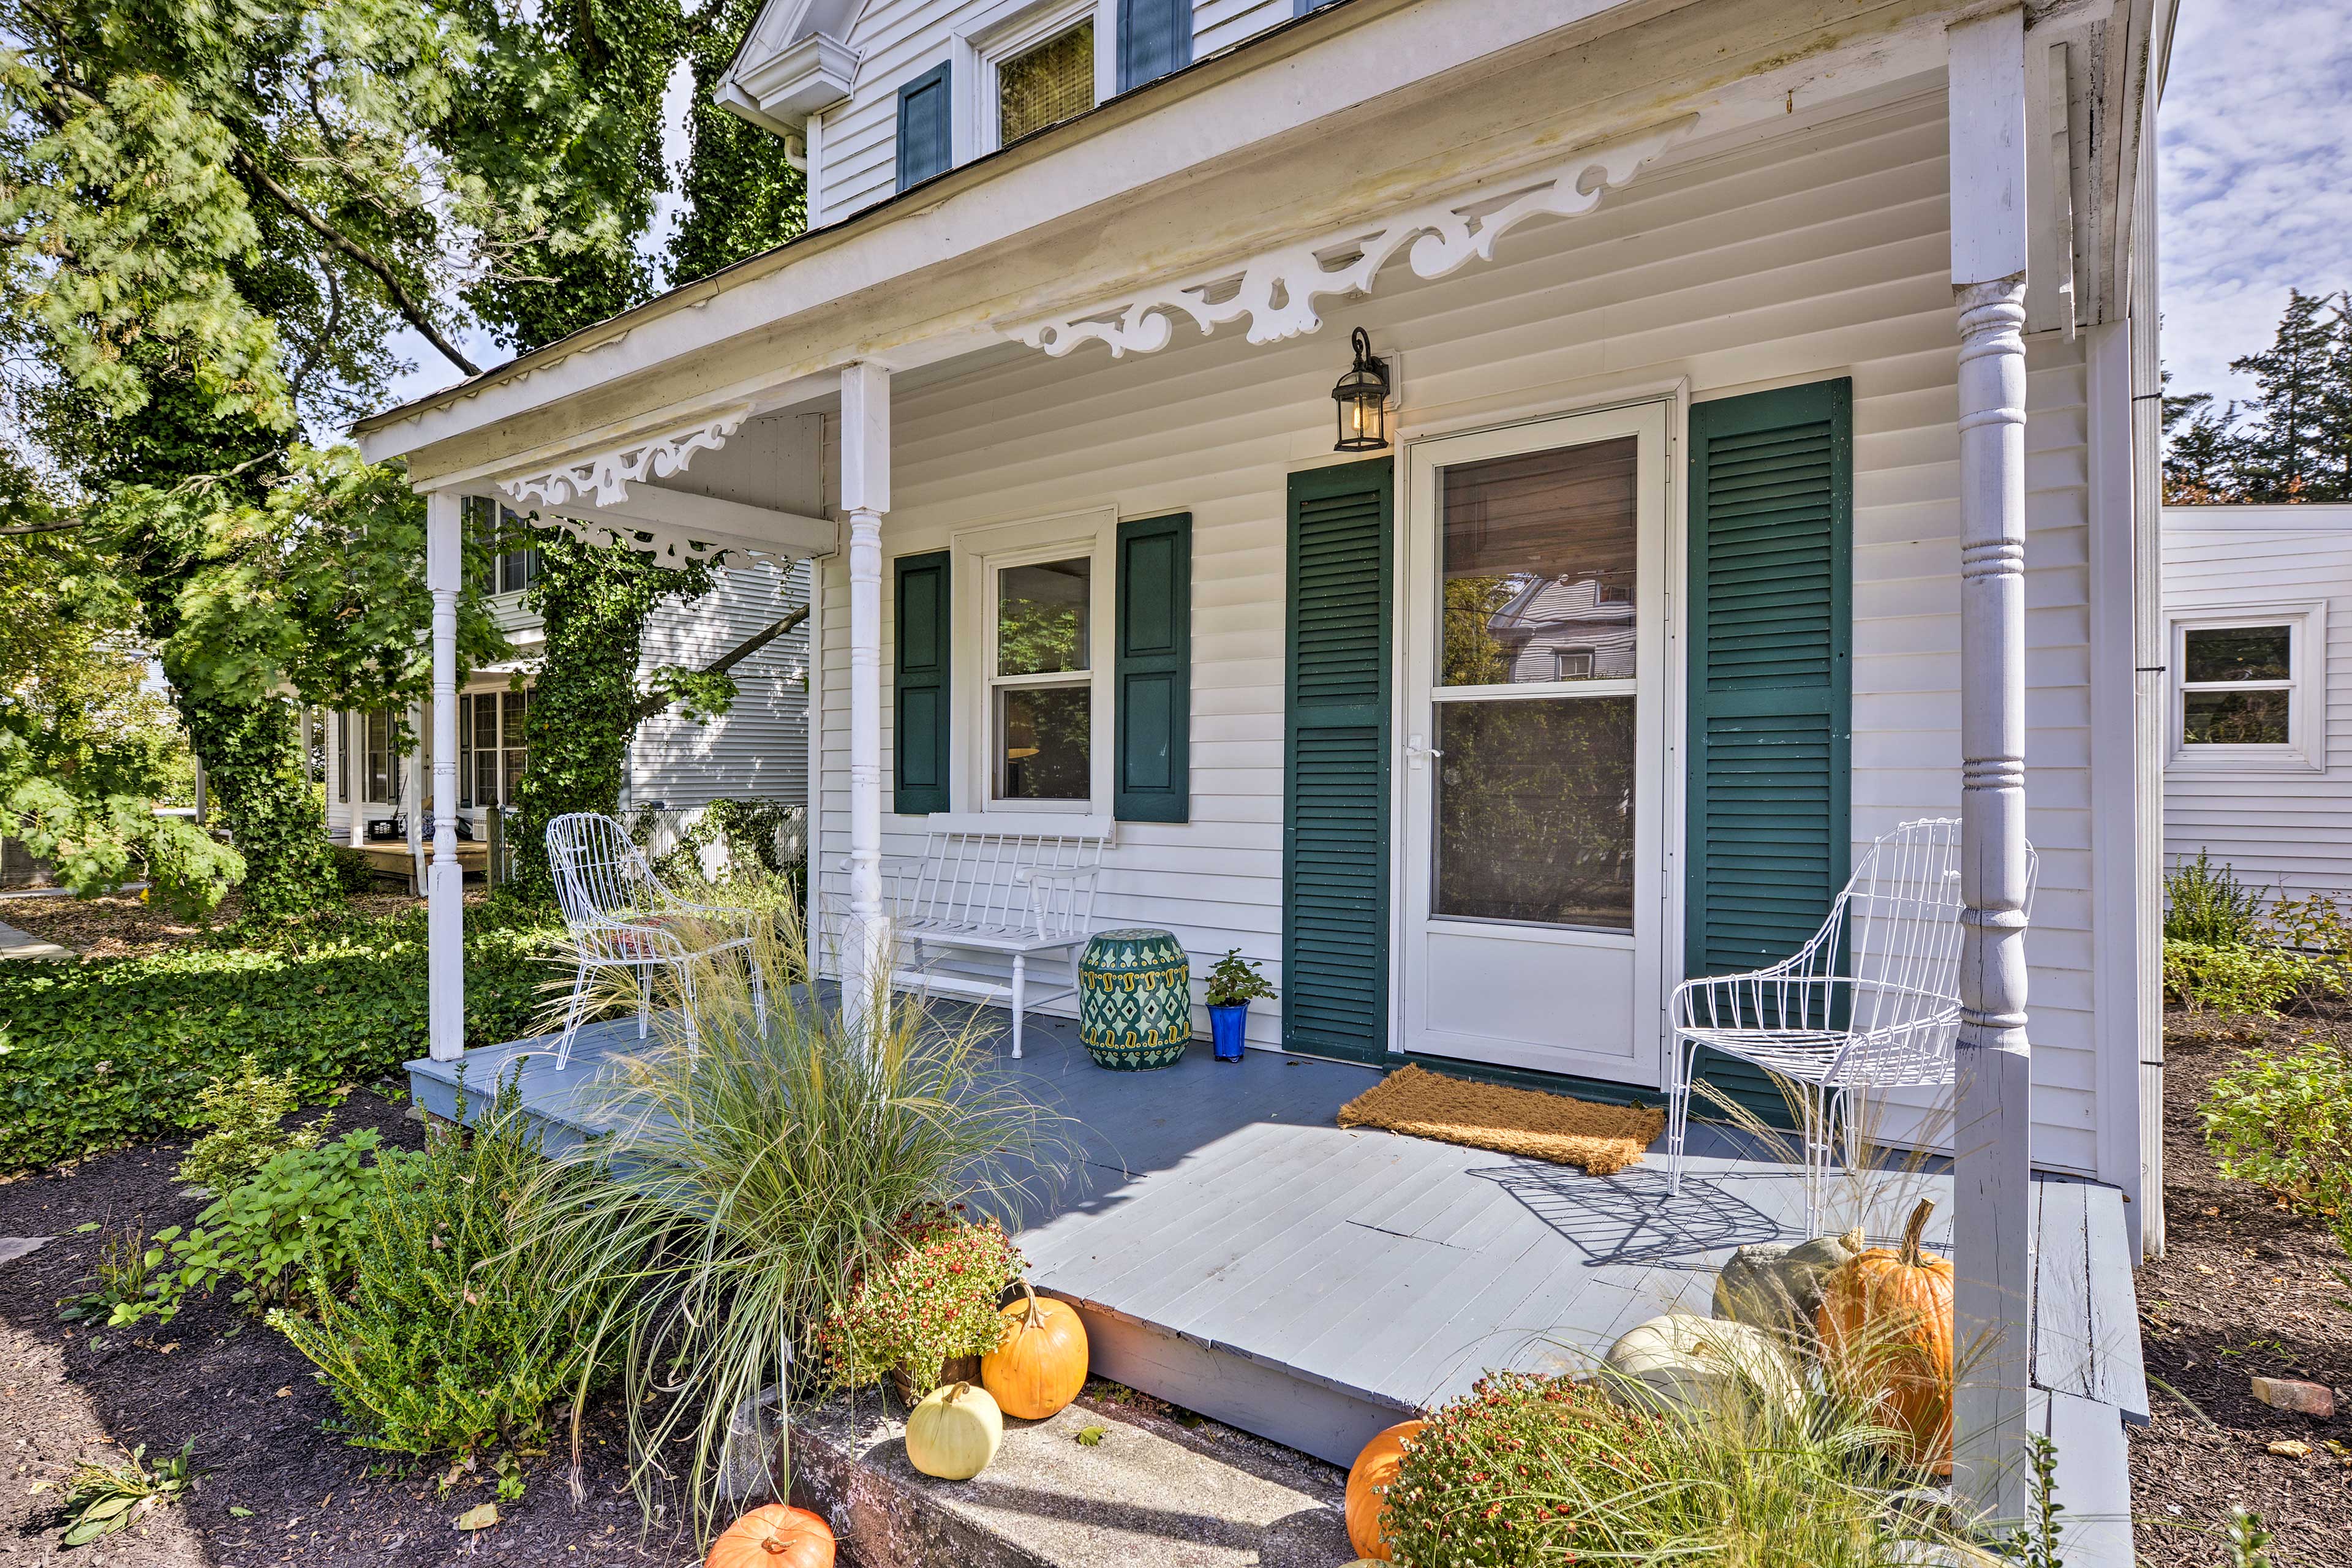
column 113, row 1050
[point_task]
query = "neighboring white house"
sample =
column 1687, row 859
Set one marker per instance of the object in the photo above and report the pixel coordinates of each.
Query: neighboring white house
column 2258, row 665
column 757, row 750
column 1798, row 358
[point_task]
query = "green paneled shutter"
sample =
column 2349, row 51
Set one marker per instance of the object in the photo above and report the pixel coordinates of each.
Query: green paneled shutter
column 926, row 143
column 1771, row 687
column 1151, row 674
column 1335, row 838
column 919, row 719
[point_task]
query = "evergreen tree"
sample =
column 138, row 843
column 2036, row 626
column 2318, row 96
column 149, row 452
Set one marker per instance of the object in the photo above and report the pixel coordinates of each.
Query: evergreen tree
column 2285, row 445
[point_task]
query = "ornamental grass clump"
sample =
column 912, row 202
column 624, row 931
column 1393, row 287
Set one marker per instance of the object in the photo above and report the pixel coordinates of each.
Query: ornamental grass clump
column 932, row 1303
column 750, row 1179
column 1532, row 1471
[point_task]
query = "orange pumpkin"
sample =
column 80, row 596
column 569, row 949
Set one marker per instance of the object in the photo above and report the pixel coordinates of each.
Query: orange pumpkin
column 1885, row 1321
column 774, row 1537
column 1041, row 1363
column 1368, row 1511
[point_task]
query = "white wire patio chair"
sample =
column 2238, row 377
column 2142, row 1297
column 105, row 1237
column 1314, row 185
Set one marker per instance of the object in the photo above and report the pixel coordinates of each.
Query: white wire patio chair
column 1870, row 1005
column 621, row 917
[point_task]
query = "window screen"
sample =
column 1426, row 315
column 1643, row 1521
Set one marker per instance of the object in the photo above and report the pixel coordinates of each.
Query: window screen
column 1049, row 84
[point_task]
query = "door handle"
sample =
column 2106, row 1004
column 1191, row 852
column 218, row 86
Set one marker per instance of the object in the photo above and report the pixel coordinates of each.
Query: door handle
column 1414, row 750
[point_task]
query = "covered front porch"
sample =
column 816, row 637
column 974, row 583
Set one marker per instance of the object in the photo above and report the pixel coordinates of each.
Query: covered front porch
column 1237, row 1253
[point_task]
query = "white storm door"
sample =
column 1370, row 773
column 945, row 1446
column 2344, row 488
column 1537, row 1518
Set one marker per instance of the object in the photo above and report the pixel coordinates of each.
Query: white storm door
column 1533, row 744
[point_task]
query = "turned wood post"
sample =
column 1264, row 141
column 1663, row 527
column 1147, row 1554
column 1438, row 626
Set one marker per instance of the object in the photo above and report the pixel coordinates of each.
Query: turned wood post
column 1992, row 1168
column 866, row 495
column 444, row 887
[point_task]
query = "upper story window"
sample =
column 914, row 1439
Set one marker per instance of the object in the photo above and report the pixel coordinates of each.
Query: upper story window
column 2244, row 692
column 491, row 525
column 1046, row 84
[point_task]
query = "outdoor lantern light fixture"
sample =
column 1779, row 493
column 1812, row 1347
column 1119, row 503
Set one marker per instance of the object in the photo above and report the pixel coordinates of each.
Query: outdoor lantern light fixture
column 1362, row 396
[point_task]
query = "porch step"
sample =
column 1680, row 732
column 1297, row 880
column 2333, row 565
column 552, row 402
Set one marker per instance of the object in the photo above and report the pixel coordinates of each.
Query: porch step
column 1150, row 1490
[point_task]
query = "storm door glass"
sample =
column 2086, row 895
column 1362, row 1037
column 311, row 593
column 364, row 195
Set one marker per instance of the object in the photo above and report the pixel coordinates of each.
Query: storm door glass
column 1535, row 690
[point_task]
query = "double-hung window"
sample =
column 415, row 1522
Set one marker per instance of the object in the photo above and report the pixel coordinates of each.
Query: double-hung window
column 1045, row 83
column 2244, row 692
column 496, row 748
column 1040, row 681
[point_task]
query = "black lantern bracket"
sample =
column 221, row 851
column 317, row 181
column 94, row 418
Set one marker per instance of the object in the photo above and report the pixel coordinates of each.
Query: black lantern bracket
column 1365, row 398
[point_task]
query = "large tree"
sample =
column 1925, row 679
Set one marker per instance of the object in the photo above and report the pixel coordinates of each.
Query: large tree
column 215, row 216
column 2291, row 439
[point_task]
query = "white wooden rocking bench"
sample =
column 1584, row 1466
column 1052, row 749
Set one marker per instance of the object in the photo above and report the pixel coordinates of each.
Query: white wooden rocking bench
column 1001, row 886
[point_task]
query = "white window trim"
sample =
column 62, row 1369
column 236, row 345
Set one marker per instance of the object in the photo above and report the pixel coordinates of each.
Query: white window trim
column 979, row 555
column 999, row 33
column 2307, row 747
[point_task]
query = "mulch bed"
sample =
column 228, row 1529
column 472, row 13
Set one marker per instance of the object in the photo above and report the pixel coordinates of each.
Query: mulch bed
column 2246, row 1288
column 120, row 926
column 252, row 1405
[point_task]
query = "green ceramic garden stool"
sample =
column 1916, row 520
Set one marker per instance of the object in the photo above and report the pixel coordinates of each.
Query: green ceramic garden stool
column 1135, row 1000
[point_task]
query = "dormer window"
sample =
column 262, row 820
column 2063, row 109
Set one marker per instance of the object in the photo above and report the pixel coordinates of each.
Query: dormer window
column 1045, row 85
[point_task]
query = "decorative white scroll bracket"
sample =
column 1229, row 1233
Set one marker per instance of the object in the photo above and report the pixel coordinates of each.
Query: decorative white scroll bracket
column 570, row 495
column 605, row 478
column 1277, row 290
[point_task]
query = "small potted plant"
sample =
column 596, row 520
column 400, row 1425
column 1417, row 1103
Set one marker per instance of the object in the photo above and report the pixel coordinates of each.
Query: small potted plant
column 1234, row 984
column 928, row 1315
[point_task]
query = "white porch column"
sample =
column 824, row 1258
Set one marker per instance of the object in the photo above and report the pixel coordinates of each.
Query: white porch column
column 445, row 554
column 1992, row 1167
column 355, row 764
column 866, row 495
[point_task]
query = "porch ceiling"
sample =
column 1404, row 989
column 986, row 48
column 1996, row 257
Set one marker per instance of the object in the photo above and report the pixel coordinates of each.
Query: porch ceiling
column 1229, row 163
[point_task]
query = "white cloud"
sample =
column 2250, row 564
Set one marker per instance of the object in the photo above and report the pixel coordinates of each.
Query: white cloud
column 2254, row 176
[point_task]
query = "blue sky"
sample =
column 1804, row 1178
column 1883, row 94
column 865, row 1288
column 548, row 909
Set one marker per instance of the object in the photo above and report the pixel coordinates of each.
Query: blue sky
column 2254, row 175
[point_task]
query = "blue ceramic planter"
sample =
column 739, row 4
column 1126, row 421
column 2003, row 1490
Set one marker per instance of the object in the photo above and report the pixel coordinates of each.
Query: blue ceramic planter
column 1228, row 1024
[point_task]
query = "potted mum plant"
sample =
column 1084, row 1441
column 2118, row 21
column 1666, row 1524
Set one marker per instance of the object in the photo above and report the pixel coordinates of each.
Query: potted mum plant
column 928, row 1315
column 1234, row 984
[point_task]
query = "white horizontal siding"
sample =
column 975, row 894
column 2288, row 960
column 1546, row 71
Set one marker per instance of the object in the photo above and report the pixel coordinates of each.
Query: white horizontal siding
column 759, row 748
column 1825, row 257
column 1222, row 24
column 896, row 40
column 2289, row 833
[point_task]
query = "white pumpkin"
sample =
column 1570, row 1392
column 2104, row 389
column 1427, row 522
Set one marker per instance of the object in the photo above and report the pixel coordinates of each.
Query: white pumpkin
column 1699, row 1365
column 954, row 1432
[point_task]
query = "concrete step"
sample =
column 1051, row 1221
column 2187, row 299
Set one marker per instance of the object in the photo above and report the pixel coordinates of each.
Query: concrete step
column 1160, row 1488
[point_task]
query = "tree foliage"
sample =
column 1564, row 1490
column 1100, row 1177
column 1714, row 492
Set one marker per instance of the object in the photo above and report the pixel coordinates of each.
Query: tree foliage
column 2292, row 440
column 216, row 217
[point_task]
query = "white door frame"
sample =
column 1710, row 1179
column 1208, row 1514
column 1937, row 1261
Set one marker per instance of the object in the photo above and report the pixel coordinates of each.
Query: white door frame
column 1656, row 417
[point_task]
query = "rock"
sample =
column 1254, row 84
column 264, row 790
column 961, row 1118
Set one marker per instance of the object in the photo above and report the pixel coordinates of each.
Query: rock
column 2314, row 1399
column 12, row 1247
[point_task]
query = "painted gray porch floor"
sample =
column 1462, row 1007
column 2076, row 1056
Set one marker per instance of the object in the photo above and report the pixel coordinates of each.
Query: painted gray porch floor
column 1241, row 1254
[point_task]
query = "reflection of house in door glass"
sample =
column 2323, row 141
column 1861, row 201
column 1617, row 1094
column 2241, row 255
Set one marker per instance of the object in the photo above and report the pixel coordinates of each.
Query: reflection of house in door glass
column 1568, row 629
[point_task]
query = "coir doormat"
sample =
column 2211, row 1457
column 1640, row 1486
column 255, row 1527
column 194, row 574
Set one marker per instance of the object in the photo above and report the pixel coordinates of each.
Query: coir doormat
column 1604, row 1139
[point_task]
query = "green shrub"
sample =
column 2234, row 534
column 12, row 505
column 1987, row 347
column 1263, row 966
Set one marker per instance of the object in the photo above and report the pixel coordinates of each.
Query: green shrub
column 2283, row 1120
column 279, row 1238
column 355, row 872
column 111, row 1051
column 2257, row 980
column 447, row 1339
column 2314, row 923
column 2206, row 904
column 244, row 1113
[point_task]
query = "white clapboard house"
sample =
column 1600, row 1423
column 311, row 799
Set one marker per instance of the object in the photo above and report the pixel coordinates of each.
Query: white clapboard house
column 1760, row 456
column 758, row 750
column 2257, row 648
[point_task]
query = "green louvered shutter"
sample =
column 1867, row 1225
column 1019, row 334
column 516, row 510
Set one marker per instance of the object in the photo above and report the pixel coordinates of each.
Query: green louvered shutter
column 1771, row 640
column 920, row 691
column 1335, row 838
column 1152, row 670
